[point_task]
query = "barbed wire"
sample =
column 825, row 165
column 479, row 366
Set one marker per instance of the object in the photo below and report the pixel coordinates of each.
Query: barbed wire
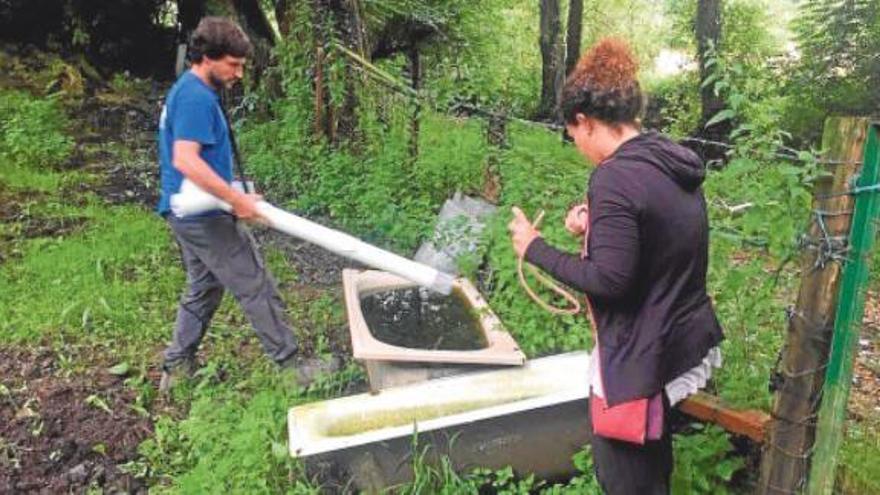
column 828, row 249
column 789, row 153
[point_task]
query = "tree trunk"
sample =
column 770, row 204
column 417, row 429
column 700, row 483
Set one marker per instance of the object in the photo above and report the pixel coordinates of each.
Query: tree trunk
column 415, row 70
column 573, row 39
column 344, row 19
column 551, row 60
column 284, row 16
column 496, row 138
column 350, row 31
column 322, row 109
column 190, row 12
column 255, row 21
column 322, row 124
column 708, row 30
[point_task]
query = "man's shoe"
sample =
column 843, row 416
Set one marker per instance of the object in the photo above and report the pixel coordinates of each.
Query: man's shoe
column 309, row 369
column 173, row 371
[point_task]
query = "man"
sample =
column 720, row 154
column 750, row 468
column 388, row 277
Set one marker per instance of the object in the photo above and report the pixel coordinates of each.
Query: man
column 217, row 250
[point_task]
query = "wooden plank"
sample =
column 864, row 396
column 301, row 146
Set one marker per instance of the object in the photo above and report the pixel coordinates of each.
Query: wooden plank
column 790, row 437
column 750, row 423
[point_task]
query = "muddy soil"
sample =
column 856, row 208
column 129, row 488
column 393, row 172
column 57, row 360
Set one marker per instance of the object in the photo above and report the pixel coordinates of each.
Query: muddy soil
column 315, row 266
column 131, row 177
column 61, row 434
column 20, row 223
column 17, row 223
column 127, row 184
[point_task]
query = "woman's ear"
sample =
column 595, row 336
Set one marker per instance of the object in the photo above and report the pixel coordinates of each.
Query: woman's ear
column 585, row 123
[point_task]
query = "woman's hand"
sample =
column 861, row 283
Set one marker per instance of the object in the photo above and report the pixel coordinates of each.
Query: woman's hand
column 521, row 232
column 576, row 219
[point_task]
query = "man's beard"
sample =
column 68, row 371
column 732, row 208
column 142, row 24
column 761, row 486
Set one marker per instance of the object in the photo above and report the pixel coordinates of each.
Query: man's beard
column 219, row 83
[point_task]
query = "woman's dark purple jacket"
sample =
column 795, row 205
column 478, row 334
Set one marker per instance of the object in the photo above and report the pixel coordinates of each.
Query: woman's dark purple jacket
column 645, row 272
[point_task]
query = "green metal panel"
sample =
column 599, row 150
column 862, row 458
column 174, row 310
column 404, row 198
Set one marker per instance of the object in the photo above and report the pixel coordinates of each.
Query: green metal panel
column 848, row 322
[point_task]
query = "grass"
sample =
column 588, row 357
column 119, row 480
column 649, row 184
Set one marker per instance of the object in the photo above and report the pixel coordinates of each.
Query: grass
column 859, row 472
column 98, row 282
column 106, row 293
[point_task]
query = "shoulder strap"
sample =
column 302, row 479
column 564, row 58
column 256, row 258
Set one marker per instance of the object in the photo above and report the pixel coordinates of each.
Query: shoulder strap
column 239, row 165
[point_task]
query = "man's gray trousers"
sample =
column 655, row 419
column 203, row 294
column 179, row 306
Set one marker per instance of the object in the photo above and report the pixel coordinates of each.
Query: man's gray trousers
column 219, row 253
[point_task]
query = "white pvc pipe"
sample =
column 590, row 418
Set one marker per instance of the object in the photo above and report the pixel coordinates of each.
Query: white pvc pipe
column 193, row 200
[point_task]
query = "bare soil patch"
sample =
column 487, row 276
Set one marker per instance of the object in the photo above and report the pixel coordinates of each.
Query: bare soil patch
column 315, row 266
column 864, row 403
column 65, row 434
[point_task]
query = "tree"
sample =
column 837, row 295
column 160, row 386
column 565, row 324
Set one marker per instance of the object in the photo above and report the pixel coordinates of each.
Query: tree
column 189, row 12
column 707, row 26
column 337, row 21
column 573, row 38
column 284, row 15
column 123, row 34
column 350, row 30
column 839, row 43
column 254, row 20
column 342, row 40
column 551, row 60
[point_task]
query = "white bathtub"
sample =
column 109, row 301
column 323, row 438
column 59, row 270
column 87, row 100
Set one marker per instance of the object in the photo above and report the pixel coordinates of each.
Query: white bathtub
column 532, row 418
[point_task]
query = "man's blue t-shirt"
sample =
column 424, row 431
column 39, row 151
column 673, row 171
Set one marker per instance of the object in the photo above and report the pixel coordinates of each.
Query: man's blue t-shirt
column 192, row 113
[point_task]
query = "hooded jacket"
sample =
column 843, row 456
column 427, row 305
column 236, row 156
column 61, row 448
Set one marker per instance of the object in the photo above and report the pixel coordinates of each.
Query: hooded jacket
column 645, row 268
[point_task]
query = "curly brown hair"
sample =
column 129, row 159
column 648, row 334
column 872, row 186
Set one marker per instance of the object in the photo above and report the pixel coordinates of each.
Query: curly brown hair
column 604, row 85
column 216, row 37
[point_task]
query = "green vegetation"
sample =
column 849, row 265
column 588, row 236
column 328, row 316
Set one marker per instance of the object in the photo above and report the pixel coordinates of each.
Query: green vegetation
column 703, row 463
column 32, row 130
column 97, row 283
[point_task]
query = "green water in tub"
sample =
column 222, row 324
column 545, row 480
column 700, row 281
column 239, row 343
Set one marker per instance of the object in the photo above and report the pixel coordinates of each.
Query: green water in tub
column 420, row 319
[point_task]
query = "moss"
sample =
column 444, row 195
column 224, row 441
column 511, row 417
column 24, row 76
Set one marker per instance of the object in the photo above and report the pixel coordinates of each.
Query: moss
column 408, row 415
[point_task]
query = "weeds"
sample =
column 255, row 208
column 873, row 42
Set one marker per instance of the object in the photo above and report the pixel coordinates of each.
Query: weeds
column 32, row 130
column 704, row 463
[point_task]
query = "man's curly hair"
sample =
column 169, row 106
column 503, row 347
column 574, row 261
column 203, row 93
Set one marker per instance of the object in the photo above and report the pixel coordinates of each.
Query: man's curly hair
column 216, row 37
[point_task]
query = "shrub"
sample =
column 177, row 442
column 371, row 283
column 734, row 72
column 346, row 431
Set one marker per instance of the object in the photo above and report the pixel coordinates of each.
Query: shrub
column 32, row 130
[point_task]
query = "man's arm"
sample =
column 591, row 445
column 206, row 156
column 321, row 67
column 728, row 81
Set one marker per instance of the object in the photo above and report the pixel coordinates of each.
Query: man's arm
column 186, row 159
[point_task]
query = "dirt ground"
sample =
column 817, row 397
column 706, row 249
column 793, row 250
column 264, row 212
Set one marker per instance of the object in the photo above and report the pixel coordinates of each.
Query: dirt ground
column 63, row 434
column 864, row 402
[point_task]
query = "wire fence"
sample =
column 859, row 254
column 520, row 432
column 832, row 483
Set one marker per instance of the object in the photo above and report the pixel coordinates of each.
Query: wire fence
column 805, row 385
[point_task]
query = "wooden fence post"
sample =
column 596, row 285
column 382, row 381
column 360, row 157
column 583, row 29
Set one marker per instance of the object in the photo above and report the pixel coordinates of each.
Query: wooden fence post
column 848, row 324
column 787, row 452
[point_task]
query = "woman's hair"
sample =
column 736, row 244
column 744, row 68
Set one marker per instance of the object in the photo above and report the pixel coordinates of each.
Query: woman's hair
column 216, row 37
column 603, row 85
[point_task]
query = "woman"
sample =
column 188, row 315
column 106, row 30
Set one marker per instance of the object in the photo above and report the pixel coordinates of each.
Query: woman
column 644, row 265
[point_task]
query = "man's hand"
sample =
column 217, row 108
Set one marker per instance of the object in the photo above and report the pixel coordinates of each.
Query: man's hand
column 522, row 232
column 245, row 207
column 189, row 162
column 576, row 219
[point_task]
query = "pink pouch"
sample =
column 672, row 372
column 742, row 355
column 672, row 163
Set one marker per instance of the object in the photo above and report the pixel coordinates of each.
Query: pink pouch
column 627, row 421
column 633, row 421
